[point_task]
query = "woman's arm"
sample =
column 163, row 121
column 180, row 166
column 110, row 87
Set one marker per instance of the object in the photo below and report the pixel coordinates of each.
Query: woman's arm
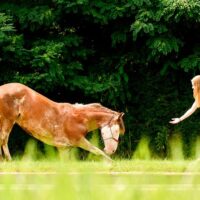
column 186, row 115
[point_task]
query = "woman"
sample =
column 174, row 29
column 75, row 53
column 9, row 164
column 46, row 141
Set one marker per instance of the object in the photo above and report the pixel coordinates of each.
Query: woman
column 196, row 104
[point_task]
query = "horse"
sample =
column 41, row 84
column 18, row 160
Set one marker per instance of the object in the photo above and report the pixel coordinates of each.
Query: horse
column 62, row 125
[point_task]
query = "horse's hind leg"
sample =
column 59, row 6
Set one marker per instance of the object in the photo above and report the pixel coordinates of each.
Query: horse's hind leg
column 6, row 128
column 85, row 144
column 6, row 152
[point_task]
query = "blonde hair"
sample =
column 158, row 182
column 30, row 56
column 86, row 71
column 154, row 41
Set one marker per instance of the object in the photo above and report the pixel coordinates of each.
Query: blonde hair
column 196, row 89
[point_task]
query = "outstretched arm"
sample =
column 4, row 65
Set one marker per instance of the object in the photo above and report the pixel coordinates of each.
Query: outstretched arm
column 186, row 115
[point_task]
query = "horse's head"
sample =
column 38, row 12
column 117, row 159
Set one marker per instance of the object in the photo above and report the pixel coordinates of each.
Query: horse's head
column 110, row 133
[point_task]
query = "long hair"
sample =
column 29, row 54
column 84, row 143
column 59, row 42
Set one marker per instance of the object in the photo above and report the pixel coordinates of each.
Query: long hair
column 196, row 89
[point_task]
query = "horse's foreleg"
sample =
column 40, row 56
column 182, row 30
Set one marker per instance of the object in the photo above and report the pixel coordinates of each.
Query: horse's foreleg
column 85, row 144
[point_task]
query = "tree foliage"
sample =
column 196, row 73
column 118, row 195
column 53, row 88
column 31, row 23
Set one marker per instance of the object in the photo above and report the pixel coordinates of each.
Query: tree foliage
column 136, row 56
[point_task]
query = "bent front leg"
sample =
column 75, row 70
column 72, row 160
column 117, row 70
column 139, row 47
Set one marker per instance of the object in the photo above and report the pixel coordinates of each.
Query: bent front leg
column 85, row 144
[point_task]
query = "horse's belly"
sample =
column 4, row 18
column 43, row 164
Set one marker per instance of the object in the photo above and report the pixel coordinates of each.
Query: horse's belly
column 39, row 133
column 50, row 134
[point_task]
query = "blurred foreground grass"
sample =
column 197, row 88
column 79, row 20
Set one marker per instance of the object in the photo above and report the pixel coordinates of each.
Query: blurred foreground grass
column 124, row 166
column 133, row 179
column 141, row 178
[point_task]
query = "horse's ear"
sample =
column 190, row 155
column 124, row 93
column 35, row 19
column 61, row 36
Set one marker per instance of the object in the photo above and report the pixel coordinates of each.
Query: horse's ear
column 120, row 115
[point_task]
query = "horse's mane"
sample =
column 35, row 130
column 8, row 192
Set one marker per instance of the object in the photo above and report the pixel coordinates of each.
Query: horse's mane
column 95, row 107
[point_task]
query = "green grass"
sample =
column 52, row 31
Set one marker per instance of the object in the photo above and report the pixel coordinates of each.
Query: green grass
column 132, row 179
column 142, row 178
column 125, row 166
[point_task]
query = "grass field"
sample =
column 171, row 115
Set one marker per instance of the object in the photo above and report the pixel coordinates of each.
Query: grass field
column 133, row 179
column 141, row 178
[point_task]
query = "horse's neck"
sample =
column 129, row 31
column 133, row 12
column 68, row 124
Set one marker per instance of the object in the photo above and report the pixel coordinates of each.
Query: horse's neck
column 100, row 119
column 94, row 115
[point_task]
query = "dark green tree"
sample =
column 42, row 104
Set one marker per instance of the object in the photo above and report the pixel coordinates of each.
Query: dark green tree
column 136, row 56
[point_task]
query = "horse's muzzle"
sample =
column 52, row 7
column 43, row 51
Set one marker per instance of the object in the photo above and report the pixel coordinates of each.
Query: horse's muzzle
column 109, row 151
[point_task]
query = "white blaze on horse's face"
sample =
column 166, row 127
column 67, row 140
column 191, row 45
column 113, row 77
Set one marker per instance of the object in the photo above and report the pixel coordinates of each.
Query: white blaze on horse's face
column 110, row 135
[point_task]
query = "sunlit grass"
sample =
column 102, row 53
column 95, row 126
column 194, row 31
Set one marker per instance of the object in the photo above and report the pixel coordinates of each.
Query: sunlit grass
column 85, row 180
column 34, row 176
column 95, row 166
column 142, row 160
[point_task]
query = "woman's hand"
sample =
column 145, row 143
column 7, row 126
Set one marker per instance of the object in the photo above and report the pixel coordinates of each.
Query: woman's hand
column 175, row 121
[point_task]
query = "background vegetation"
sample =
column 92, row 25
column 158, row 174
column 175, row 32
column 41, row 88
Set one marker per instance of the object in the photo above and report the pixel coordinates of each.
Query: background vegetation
column 135, row 56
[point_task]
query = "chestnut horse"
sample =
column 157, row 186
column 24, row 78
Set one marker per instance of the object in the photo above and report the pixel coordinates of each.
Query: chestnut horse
column 62, row 125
